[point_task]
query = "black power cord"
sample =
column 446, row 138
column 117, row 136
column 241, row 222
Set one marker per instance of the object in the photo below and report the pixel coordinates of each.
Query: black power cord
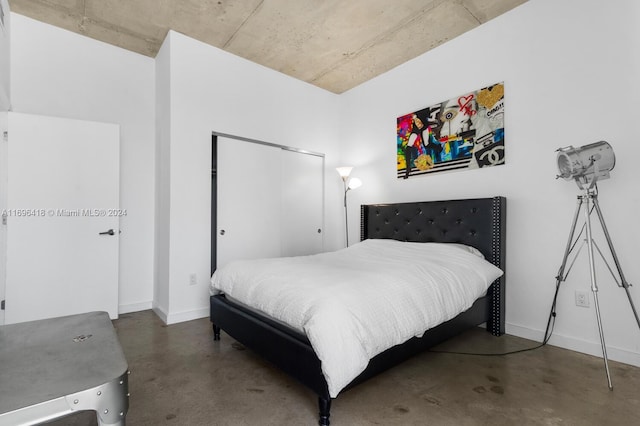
column 547, row 334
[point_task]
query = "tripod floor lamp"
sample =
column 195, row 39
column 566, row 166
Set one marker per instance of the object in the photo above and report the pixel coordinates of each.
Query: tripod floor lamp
column 586, row 165
column 349, row 184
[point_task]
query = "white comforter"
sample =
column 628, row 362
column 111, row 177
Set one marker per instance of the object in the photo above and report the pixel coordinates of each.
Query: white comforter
column 357, row 302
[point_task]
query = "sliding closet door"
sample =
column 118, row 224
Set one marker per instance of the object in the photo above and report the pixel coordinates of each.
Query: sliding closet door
column 269, row 201
column 248, row 201
column 302, row 203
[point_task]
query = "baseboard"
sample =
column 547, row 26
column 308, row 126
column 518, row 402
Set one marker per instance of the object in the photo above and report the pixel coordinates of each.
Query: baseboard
column 160, row 312
column 135, row 307
column 176, row 317
column 567, row 342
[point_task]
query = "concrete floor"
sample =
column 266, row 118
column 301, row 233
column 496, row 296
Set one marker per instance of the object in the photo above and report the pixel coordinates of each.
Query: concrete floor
column 179, row 376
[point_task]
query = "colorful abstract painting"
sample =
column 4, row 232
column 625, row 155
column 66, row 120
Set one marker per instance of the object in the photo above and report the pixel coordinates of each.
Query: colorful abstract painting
column 466, row 132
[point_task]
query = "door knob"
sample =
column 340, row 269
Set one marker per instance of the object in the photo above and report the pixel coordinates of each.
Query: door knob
column 109, row 232
column 222, row 232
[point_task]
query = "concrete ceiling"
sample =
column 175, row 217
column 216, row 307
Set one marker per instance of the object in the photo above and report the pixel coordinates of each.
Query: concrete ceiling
column 333, row 44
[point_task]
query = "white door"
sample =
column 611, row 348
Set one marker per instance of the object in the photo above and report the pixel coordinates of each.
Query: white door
column 248, row 203
column 63, row 224
column 302, row 203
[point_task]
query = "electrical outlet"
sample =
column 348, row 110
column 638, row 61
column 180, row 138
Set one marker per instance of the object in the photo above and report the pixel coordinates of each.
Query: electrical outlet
column 193, row 279
column 582, row 299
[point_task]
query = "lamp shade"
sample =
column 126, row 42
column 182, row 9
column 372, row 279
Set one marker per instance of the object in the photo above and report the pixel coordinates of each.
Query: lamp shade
column 354, row 183
column 344, row 171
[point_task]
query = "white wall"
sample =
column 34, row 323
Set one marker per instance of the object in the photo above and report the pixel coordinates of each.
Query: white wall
column 571, row 78
column 60, row 73
column 5, row 32
column 211, row 90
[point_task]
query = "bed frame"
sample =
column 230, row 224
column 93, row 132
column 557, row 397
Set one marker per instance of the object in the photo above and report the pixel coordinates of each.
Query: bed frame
column 476, row 222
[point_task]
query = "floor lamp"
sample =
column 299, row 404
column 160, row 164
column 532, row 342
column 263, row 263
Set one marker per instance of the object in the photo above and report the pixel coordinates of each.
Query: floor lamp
column 586, row 165
column 349, row 183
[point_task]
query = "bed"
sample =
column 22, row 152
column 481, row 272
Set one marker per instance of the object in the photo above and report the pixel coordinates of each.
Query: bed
column 478, row 223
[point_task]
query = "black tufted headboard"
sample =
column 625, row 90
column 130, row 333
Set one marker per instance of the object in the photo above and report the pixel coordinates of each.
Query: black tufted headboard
column 479, row 222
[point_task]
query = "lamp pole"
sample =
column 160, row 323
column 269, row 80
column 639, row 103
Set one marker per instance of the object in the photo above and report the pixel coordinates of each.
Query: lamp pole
column 348, row 184
column 346, row 218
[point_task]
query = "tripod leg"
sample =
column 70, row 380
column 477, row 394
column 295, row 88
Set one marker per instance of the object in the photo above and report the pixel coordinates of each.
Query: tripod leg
column 615, row 259
column 633, row 308
column 567, row 250
column 604, row 347
column 594, row 287
column 561, row 272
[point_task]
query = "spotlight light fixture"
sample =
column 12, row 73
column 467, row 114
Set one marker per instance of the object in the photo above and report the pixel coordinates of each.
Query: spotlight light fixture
column 586, row 164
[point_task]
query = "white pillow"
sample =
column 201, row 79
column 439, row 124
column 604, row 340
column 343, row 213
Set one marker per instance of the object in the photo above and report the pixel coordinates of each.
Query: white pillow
column 470, row 249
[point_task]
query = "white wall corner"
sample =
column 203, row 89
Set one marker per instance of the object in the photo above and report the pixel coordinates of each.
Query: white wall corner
column 160, row 311
column 161, row 248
